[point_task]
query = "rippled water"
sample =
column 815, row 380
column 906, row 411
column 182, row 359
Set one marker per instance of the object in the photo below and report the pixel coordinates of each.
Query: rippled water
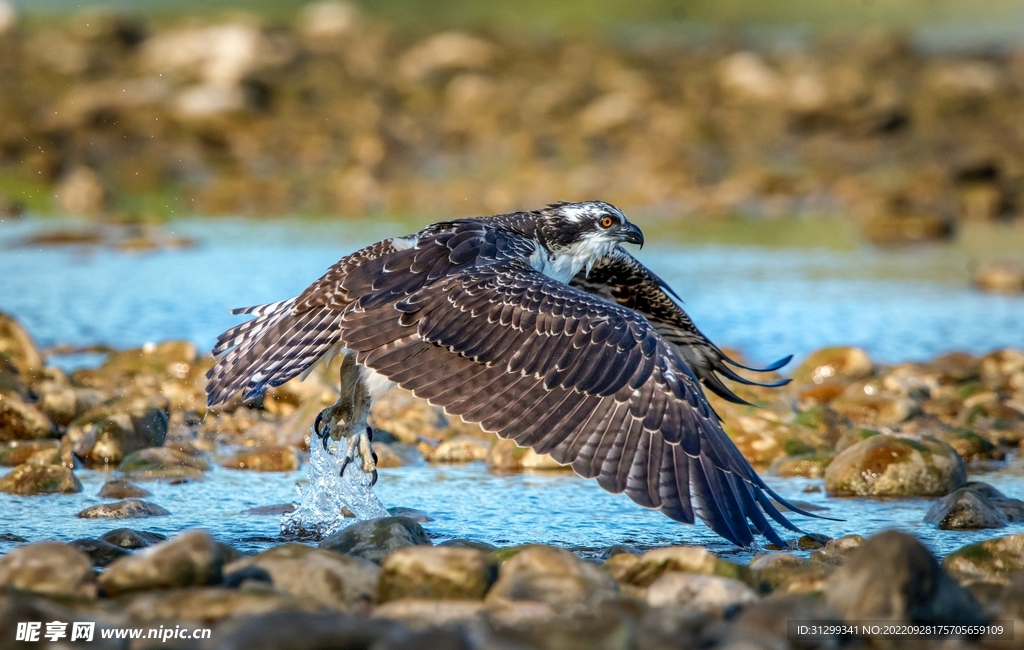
column 899, row 305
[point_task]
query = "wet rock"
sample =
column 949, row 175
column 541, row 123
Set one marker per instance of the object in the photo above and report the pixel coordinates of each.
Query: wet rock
column 21, row 451
column 469, row 543
column 437, row 573
column 132, row 539
column 238, row 579
column 119, row 489
column 866, row 404
column 50, row 569
column 999, row 277
column 620, row 564
column 444, row 52
column 10, row 537
column 505, row 455
column 412, row 513
column 892, row 576
column 162, row 463
column 209, row 605
column 17, row 346
column 190, row 559
column 853, row 436
column 425, row 614
column 110, row 434
column 770, row 617
column 812, row 465
column 687, row 559
column 966, row 509
column 709, row 594
column 553, row 577
column 968, row 444
column 462, row 449
column 272, row 458
column 993, row 560
column 270, row 511
column 30, row 478
column 100, row 552
column 331, row 579
column 839, row 362
column 889, row 465
column 375, row 539
column 125, row 509
column 22, row 421
column 787, row 573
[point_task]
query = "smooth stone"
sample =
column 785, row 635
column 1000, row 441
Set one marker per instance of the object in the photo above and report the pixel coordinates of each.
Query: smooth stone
column 132, row 539
column 100, row 552
column 837, row 550
column 209, row 605
column 709, row 594
column 341, row 582
column 993, row 560
column 112, row 432
column 425, row 614
column 320, row 631
column 554, row 577
column 11, row 537
column 469, row 543
column 620, row 565
column 1012, row 509
column 893, row 577
column 965, row 509
column 889, row 465
column 120, row 489
column 375, row 539
column 17, row 346
column 436, row 573
column 189, row 560
column 163, row 463
column 786, row 573
column 274, row 510
column 20, row 451
column 687, row 559
column 30, row 478
column 238, row 577
column 461, row 449
column 270, row 458
column 50, row 569
column 411, row 513
column 836, row 362
column 968, row 444
column 22, row 421
column 126, row 509
column 853, row 436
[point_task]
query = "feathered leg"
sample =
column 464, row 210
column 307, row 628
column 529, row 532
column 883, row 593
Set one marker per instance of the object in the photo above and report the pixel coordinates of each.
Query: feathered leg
column 346, row 419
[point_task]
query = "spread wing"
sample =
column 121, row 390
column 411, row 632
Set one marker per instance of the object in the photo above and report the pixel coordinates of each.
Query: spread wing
column 460, row 319
column 622, row 279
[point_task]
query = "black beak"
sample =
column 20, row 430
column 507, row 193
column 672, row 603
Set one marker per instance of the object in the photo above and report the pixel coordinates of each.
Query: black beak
column 633, row 235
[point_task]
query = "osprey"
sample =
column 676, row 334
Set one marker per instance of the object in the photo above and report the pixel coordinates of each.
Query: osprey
column 539, row 327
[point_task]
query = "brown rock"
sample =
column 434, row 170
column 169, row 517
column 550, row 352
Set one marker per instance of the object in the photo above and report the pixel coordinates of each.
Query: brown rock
column 425, row 614
column 31, row 478
column 708, row 594
column 190, row 559
column 437, row 573
column 993, row 560
column 22, row 421
column 272, row 458
column 1000, row 277
column 812, row 465
column 375, row 539
column 17, row 346
column 330, row 579
column 687, row 559
column 839, row 362
column 554, row 577
column 119, row 489
column 461, row 449
column 163, row 463
column 889, row 465
column 505, row 455
column 20, row 451
column 50, row 569
column 386, row 456
column 209, row 605
column 865, row 404
column 132, row 539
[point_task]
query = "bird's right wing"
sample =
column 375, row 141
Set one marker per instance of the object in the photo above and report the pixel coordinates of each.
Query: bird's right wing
column 622, row 279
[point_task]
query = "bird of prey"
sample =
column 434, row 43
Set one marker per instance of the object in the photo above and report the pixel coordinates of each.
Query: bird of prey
column 540, row 327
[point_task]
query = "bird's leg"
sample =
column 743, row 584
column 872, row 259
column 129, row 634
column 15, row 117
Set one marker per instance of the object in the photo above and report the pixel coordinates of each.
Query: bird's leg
column 346, row 418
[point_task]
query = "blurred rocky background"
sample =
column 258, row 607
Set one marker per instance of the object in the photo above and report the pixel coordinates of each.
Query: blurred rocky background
column 343, row 109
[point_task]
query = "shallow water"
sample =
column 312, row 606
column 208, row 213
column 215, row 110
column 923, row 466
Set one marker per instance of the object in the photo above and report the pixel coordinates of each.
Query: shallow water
column 899, row 305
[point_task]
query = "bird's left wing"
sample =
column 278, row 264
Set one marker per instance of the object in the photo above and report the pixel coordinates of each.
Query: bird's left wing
column 570, row 374
column 622, row 279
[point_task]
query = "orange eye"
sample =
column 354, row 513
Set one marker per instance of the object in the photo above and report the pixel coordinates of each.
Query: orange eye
column 606, row 221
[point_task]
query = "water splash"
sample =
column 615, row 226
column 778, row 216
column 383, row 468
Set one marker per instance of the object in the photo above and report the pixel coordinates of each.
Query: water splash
column 331, row 492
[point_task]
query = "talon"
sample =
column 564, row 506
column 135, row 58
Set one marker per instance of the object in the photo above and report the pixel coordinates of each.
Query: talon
column 373, row 455
column 373, row 478
column 369, row 434
column 348, row 459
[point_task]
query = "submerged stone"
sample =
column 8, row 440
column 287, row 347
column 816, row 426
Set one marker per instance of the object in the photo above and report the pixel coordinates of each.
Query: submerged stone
column 375, row 539
column 99, row 551
column 126, row 509
column 132, row 539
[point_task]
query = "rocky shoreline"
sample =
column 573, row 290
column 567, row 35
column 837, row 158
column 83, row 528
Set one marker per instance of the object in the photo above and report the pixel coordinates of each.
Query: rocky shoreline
column 863, row 429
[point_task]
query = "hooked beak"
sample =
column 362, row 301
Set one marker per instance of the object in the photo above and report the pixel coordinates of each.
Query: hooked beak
column 633, row 235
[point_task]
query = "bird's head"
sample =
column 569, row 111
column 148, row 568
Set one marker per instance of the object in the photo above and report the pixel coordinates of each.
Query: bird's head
column 577, row 235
